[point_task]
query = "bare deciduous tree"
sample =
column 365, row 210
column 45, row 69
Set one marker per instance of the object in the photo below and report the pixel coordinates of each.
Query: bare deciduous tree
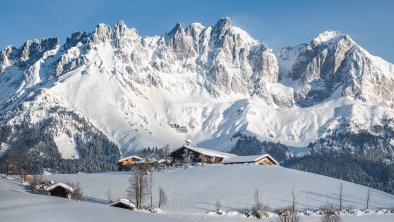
column 203, row 159
column 7, row 166
column 368, row 198
column 293, row 201
column 150, row 188
column 166, row 153
column 137, row 189
column 23, row 175
column 340, row 197
column 187, row 157
column 258, row 208
column 77, row 194
column 162, row 197
column 108, row 194
column 289, row 213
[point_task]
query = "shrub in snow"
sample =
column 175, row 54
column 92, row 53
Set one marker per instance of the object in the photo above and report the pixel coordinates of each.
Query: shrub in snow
column 287, row 215
column 350, row 209
column 218, row 209
column 385, row 211
column 77, row 194
column 153, row 209
column 247, row 212
column 259, row 209
column 330, row 214
column 38, row 184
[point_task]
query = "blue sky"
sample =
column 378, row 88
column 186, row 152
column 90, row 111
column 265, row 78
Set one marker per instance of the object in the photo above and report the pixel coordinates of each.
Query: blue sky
column 278, row 23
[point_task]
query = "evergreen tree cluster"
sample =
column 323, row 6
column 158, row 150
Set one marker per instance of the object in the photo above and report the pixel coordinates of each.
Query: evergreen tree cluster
column 155, row 152
column 250, row 145
column 347, row 166
column 31, row 145
column 360, row 158
column 376, row 147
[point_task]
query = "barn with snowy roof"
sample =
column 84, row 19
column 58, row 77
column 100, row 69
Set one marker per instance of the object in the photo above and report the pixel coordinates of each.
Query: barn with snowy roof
column 264, row 159
column 198, row 154
column 202, row 155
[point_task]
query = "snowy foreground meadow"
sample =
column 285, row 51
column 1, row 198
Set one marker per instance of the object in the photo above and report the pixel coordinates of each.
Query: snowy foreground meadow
column 192, row 196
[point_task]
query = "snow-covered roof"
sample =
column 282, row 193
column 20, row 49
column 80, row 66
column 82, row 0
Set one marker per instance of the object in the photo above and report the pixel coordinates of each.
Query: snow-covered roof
column 206, row 152
column 129, row 157
column 63, row 185
column 151, row 160
column 248, row 159
column 163, row 161
column 123, row 201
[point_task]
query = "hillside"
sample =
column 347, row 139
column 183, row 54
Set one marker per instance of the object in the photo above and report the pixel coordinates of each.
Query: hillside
column 197, row 189
column 193, row 193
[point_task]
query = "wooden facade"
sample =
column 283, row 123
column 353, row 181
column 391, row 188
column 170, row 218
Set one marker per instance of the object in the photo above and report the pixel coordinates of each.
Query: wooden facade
column 266, row 161
column 201, row 155
column 127, row 162
column 60, row 190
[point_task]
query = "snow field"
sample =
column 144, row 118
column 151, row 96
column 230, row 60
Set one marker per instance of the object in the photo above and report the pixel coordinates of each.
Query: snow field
column 197, row 189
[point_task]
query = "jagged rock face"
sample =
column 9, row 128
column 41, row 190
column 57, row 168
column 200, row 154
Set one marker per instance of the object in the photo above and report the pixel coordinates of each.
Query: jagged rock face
column 202, row 83
column 223, row 59
column 334, row 65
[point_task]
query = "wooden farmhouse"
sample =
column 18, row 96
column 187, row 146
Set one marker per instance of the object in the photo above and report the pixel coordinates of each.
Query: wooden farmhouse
column 264, row 159
column 193, row 154
column 127, row 162
column 197, row 155
column 123, row 203
column 60, row 190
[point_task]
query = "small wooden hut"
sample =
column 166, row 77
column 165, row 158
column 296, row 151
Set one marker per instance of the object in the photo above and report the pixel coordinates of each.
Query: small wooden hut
column 60, row 190
column 123, row 203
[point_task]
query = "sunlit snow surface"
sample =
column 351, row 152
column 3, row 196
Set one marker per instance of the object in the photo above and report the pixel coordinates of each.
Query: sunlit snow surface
column 192, row 194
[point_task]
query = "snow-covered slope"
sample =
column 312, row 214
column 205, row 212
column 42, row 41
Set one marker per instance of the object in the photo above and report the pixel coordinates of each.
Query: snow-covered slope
column 192, row 194
column 202, row 83
column 197, row 189
column 20, row 204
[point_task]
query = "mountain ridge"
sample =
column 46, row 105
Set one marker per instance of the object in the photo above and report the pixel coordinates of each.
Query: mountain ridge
column 203, row 83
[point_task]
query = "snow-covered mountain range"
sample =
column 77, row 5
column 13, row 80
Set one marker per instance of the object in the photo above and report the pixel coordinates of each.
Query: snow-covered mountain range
column 207, row 84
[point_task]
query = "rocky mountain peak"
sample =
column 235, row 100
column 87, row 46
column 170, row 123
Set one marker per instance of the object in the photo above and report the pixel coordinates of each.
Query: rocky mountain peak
column 120, row 29
column 208, row 71
column 177, row 30
column 326, row 36
column 223, row 23
column 330, row 39
column 76, row 37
